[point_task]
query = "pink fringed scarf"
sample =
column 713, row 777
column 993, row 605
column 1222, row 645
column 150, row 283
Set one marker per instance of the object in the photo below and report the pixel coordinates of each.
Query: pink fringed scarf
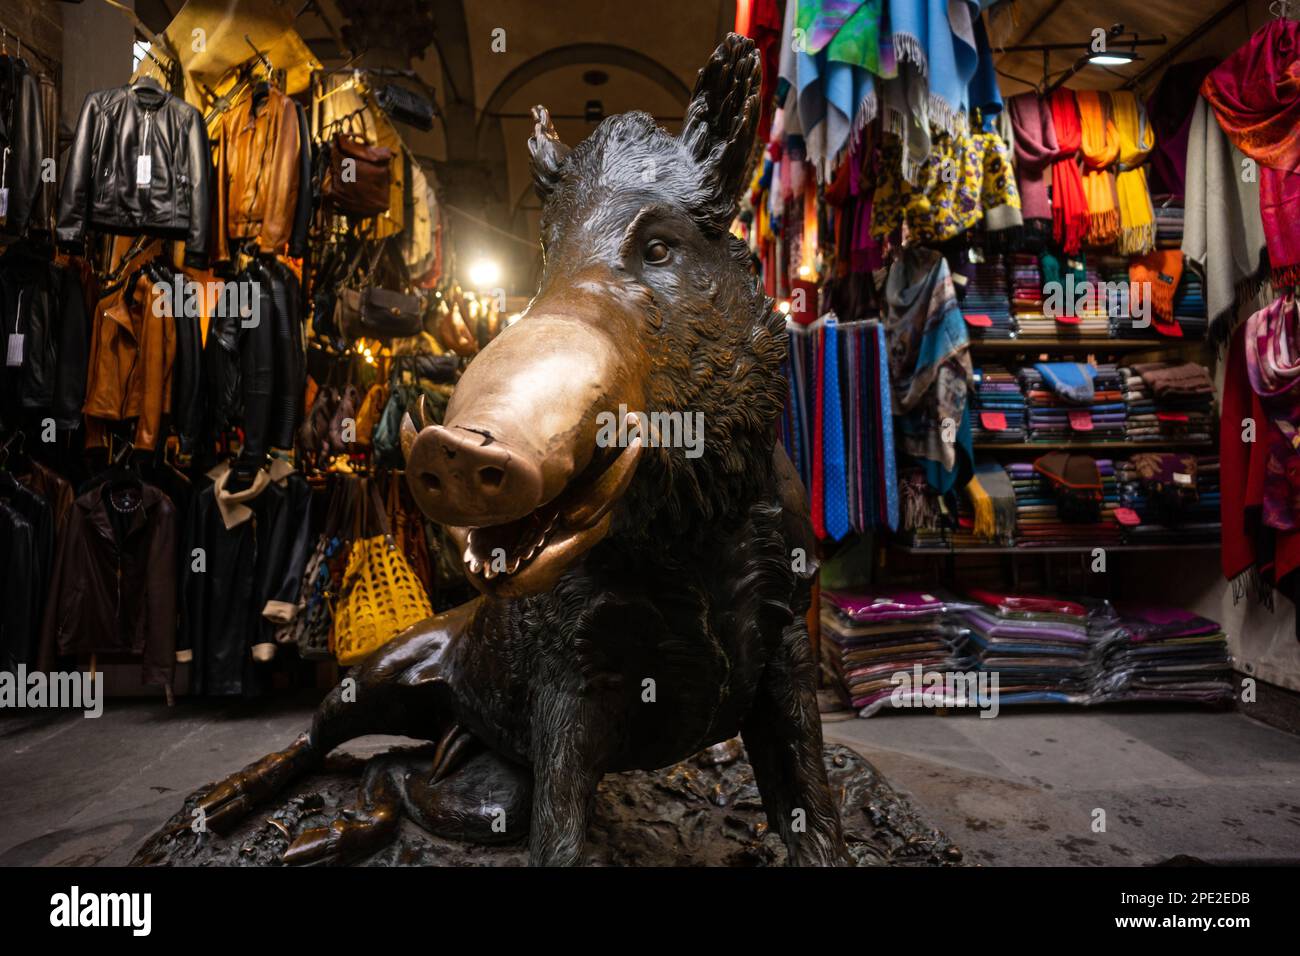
column 1255, row 95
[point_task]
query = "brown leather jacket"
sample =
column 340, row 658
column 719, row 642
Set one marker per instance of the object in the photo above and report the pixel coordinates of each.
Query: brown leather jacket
column 259, row 158
column 113, row 591
column 132, row 351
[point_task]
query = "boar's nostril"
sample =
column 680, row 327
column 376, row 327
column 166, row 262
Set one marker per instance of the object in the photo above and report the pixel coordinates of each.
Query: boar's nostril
column 431, row 481
column 490, row 478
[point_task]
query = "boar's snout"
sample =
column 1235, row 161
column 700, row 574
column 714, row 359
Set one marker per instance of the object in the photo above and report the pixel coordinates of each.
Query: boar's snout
column 470, row 478
column 515, row 471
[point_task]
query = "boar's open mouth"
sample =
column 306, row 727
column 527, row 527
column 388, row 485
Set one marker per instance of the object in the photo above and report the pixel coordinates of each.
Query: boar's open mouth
column 528, row 555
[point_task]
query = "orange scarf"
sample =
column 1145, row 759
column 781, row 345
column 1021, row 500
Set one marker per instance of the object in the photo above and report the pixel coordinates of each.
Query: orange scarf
column 1161, row 270
column 1099, row 144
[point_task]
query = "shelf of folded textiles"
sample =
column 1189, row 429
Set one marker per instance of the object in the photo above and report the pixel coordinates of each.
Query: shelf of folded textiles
column 1169, row 543
column 1116, row 445
column 1091, row 344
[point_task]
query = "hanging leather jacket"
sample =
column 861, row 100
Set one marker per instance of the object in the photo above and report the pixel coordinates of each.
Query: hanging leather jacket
column 139, row 163
column 260, row 162
column 42, row 302
column 22, row 133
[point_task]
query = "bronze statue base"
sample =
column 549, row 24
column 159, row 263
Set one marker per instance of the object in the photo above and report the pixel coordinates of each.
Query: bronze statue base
column 701, row 812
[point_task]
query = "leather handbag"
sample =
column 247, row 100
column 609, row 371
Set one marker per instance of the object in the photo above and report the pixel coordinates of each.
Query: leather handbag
column 364, row 309
column 380, row 595
column 358, row 177
column 376, row 313
column 406, row 106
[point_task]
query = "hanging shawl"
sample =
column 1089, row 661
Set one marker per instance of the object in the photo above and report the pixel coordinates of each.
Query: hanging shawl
column 938, row 38
column 830, row 72
column 1099, row 143
column 984, row 94
column 1069, row 204
column 993, row 499
column 929, row 364
column 1223, row 235
column 1169, row 111
column 1273, row 365
column 1136, row 217
column 1255, row 94
column 1036, row 149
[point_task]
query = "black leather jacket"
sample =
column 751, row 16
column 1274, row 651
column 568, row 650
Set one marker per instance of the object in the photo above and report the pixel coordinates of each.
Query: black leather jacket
column 42, row 302
column 100, row 186
column 22, row 133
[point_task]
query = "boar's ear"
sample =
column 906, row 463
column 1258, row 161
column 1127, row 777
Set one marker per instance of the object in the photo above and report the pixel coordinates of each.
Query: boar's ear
column 720, row 124
column 547, row 151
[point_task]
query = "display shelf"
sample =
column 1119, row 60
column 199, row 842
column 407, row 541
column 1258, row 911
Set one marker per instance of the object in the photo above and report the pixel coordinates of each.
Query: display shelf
column 1090, row 345
column 914, row 550
column 1092, row 445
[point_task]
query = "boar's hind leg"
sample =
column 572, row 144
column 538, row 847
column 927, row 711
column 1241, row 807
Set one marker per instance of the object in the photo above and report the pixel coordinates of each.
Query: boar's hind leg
column 570, row 737
column 783, row 738
column 379, row 698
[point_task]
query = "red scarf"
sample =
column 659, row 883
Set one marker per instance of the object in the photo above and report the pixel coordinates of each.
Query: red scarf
column 1069, row 204
column 1255, row 95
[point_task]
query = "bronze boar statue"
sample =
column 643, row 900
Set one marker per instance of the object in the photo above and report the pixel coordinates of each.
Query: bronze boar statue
column 639, row 601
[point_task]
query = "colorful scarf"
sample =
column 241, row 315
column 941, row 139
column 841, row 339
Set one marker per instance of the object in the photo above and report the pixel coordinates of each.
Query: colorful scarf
column 929, row 364
column 1170, row 113
column 1136, row 216
column 1035, row 149
column 1255, row 94
column 993, row 499
column 1273, row 366
column 1160, row 270
column 1099, row 143
column 1069, row 204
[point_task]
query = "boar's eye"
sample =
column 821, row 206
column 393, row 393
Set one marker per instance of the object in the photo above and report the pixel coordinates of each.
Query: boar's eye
column 657, row 252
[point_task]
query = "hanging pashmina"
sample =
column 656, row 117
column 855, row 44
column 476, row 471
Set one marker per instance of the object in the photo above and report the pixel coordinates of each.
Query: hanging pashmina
column 1099, row 144
column 929, row 365
column 1136, row 217
column 1255, row 94
column 1273, row 366
column 1069, row 204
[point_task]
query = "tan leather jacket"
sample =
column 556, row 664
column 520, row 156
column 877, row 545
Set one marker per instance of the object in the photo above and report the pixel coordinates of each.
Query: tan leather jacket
column 132, row 351
column 258, row 157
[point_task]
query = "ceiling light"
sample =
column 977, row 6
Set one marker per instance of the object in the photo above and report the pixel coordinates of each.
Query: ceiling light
column 1113, row 58
column 484, row 274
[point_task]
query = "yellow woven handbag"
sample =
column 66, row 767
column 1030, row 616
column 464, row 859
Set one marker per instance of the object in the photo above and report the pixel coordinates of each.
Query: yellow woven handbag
column 380, row 595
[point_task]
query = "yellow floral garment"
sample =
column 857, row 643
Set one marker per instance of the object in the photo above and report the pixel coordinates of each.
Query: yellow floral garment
column 963, row 176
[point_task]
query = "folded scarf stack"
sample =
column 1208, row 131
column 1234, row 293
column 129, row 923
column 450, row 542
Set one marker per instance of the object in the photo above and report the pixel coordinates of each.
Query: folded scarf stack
column 1198, row 520
column 868, row 637
column 998, row 406
column 1150, row 653
column 1039, row 648
column 1039, row 522
column 1073, row 401
column 1169, row 402
column 985, row 305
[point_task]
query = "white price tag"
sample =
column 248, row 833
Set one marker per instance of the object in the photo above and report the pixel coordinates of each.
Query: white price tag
column 143, row 169
column 4, row 203
column 14, row 353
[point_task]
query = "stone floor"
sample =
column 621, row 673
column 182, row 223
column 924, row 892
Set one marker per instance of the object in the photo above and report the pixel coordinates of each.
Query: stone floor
column 1024, row 788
